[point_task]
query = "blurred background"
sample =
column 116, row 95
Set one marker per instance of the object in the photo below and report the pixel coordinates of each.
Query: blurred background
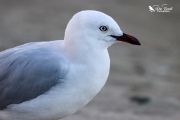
column 144, row 81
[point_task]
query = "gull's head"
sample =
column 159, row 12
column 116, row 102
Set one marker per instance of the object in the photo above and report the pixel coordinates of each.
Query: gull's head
column 95, row 29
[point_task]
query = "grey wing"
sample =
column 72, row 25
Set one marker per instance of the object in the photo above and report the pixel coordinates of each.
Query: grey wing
column 26, row 74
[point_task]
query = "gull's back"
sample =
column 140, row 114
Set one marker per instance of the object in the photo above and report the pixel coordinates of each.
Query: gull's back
column 29, row 70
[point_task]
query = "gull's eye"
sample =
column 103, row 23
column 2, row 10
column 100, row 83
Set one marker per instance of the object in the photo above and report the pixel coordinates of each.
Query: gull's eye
column 103, row 28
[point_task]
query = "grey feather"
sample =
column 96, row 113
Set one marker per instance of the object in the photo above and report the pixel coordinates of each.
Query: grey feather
column 28, row 71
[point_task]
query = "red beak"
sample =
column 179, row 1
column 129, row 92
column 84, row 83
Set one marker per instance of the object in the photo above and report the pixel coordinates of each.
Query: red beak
column 127, row 38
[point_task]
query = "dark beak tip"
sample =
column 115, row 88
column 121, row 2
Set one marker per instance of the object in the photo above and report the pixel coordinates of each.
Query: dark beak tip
column 132, row 40
column 136, row 42
column 139, row 44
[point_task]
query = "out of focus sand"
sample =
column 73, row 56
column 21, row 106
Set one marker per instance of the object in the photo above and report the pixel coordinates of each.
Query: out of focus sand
column 152, row 70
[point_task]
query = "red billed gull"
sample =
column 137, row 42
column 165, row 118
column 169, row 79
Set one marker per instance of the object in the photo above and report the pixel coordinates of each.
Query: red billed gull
column 51, row 80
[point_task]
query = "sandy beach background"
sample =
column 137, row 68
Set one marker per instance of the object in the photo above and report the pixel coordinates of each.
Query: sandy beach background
column 144, row 82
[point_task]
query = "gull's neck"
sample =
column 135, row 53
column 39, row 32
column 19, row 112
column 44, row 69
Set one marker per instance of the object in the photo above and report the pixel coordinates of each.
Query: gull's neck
column 78, row 51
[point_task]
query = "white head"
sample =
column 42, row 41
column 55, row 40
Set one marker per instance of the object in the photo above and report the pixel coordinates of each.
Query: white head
column 95, row 29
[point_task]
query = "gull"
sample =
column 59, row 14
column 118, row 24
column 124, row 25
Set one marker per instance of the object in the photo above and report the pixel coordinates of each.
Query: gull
column 52, row 80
